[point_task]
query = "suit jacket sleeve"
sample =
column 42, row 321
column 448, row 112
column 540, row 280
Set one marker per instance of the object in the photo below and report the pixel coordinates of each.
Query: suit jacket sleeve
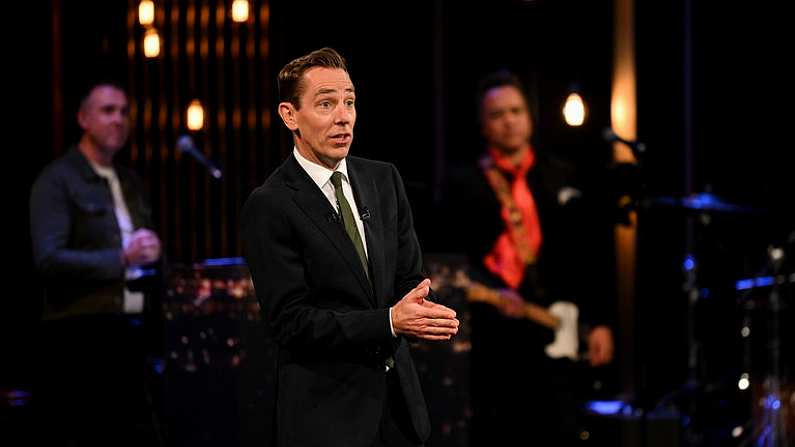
column 299, row 317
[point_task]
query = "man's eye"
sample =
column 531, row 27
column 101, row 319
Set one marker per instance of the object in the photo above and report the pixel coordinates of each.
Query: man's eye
column 324, row 104
column 349, row 103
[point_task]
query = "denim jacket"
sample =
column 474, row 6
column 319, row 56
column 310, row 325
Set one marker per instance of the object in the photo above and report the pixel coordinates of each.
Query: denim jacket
column 77, row 243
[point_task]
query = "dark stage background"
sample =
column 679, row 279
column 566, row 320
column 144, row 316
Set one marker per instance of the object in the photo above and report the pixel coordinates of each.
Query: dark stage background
column 714, row 109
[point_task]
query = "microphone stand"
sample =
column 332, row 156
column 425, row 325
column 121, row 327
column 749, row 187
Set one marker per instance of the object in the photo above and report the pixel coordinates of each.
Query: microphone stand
column 670, row 403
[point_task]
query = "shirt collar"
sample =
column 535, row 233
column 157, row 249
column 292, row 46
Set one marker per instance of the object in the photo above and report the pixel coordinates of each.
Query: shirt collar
column 320, row 174
column 103, row 171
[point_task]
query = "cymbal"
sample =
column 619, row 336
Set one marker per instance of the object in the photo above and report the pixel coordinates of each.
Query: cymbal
column 702, row 202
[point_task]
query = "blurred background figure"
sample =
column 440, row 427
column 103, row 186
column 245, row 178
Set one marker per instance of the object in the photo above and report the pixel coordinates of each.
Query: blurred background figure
column 526, row 224
column 90, row 224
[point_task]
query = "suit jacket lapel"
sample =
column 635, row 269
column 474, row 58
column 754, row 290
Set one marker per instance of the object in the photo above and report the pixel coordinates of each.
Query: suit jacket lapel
column 317, row 207
column 365, row 193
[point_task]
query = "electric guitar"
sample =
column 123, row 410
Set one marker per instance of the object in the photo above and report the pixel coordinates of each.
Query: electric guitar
column 560, row 316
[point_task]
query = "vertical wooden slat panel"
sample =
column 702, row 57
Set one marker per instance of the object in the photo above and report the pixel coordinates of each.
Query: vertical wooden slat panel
column 204, row 92
column 165, row 113
column 205, row 56
column 251, row 124
column 132, row 59
column 175, row 211
column 190, row 50
column 222, row 147
column 220, row 86
column 262, row 107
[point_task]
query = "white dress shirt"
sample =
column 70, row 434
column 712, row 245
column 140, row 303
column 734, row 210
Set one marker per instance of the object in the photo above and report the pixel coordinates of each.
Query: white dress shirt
column 321, row 175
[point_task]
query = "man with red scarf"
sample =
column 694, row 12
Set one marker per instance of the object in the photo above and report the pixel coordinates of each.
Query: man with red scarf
column 521, row 235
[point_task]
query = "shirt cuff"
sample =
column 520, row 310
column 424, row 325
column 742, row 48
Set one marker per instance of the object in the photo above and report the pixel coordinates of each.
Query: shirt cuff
column 391, row 328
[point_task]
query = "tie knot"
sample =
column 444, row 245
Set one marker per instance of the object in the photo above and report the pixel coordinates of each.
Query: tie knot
column 336, row 179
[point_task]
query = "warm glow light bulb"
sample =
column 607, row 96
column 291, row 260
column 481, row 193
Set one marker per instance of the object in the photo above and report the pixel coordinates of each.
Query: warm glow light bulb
column 195, row 115
column 151, row 43
column 574, row 110
column 146, row 12
column 240, row 10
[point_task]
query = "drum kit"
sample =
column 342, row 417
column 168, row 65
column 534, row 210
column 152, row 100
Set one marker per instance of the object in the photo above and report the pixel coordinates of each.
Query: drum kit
column 764, row 362
column 759, row 322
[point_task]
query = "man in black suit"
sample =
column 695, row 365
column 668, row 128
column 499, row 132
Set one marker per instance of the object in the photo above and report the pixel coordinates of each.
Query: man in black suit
column 330, row 243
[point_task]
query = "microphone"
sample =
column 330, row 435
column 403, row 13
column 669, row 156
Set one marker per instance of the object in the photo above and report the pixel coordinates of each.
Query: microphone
column 365, row 214
column 186, row 145
column 610, row 136
column 333, row 217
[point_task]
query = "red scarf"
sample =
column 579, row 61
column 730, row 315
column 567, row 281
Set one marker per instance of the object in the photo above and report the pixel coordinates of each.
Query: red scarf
column 518, row 245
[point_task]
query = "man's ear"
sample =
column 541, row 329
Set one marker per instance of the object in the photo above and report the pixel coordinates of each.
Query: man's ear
column 287, row 112
column 81, row 119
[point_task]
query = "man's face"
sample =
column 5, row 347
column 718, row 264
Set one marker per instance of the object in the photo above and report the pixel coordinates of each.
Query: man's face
column 326, row 118
column 104, row 117
column 505, row 119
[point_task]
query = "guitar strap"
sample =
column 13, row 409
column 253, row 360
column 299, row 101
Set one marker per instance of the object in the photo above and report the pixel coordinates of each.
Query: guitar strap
column 516, row 226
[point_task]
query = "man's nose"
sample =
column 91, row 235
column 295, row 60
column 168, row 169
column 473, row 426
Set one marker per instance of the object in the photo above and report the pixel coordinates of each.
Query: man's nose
column 343, row 114
column 119, row 117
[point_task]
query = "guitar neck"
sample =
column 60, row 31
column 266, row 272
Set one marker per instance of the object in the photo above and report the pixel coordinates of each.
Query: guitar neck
column 538, row 314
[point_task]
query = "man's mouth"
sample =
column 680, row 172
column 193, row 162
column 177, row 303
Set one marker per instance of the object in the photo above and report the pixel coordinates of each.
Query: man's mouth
column 340, row 138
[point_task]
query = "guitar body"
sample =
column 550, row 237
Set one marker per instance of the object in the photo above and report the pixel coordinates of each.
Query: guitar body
column 562, row 316
column 566, row 342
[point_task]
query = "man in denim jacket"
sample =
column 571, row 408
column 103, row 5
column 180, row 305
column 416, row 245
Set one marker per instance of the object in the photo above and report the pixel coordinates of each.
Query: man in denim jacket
column 89, row 225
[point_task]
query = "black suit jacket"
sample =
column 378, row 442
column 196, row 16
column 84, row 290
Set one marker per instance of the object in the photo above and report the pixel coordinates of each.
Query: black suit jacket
column 331, row 326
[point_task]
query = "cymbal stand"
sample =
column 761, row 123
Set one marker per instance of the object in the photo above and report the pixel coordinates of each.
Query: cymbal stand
column 771, row 432
column 692, row 293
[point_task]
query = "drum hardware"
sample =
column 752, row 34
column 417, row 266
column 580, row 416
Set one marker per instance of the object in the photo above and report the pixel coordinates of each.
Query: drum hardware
column 769, row 403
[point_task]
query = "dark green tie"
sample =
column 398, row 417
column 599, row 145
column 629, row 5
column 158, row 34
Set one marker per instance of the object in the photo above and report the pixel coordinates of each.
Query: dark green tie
column 348, row 220
column 353, row 233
